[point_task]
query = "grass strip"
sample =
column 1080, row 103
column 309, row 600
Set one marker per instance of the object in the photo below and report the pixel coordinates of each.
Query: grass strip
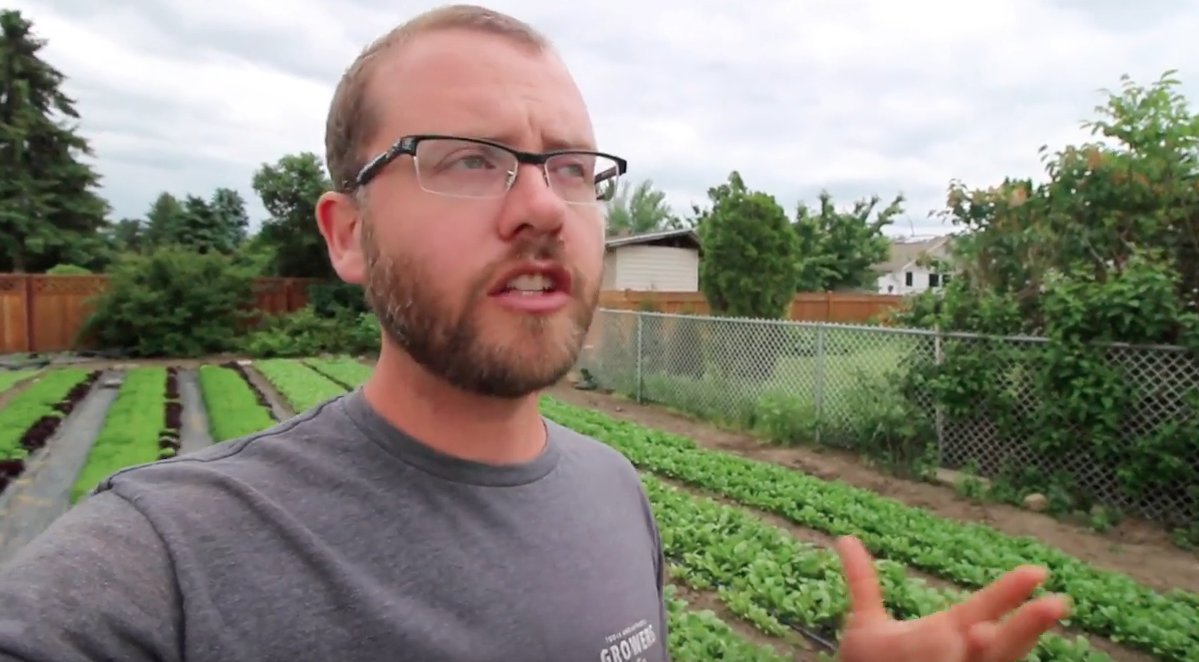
column 10, row 377
column 300, row 385
column 32, row 404
column 231, row 403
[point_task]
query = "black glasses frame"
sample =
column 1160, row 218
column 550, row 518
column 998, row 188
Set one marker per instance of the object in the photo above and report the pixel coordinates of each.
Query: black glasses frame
column 408, row 144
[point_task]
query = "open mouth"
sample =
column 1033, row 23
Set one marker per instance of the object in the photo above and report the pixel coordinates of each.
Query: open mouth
column 533, row 281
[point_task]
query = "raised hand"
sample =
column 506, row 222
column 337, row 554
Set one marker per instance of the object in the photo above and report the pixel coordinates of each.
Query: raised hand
column 996, row 624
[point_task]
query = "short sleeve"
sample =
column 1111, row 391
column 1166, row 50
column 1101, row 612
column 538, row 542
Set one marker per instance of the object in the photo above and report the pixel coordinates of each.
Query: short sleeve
column 96, row 586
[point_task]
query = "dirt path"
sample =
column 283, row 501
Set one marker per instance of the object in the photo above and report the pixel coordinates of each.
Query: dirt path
column 279, row 405
column 193, row 435
column 1135, row 549
column 43, row 492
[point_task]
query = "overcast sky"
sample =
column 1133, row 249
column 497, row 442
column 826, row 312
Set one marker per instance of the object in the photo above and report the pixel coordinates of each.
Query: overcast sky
column 856, row 96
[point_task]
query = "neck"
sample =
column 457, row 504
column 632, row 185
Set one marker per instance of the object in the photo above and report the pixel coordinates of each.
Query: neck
column 454, row 422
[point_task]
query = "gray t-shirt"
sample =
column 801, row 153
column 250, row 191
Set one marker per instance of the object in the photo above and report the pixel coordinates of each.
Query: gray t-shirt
column 333, row 537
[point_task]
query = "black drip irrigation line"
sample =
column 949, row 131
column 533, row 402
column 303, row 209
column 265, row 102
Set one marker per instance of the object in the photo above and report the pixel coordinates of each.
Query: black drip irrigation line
column 804, row 631
column 326, row 375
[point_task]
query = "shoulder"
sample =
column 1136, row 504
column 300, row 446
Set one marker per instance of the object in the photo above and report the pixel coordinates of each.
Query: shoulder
column 589, row 461
column 576, row 446
column 266, row 457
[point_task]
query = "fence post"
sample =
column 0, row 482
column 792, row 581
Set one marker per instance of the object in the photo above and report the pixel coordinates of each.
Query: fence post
column 818, row 380
column 939, row 421
column 640, row 324
column 30, row 328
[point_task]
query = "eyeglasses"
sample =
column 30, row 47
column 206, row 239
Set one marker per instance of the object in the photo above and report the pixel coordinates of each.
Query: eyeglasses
column 477, row 168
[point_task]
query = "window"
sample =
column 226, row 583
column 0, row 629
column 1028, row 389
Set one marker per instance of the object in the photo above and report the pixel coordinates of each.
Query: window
column 934, row 280
column 907, row 278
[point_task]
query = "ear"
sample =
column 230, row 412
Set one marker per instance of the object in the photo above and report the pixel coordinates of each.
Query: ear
column 337, row 218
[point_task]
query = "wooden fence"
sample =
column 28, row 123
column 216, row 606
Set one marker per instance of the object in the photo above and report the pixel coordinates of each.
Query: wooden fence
column 40, row 313
column 844, row 307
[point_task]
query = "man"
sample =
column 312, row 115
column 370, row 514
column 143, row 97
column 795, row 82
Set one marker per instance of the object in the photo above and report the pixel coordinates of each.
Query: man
column 432, row 515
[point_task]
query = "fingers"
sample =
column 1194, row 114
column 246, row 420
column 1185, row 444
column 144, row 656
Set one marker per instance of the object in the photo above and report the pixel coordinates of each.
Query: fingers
column 1015, row 637
column 999, row 597
column 865, row 596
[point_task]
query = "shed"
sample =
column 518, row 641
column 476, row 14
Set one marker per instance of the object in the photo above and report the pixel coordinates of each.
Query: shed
column 664, row 261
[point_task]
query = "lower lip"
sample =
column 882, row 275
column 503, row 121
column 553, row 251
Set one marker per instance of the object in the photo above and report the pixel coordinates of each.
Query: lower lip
column 540, row 302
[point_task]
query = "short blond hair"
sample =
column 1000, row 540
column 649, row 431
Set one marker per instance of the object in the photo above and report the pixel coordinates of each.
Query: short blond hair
column 352, row 121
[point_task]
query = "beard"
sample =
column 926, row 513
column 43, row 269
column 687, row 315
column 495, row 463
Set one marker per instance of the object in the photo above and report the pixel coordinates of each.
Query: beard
column 503, row 355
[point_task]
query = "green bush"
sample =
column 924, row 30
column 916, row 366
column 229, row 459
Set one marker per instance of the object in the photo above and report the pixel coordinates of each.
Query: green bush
column 337, row 299
column 171, row 302
column 67, row 270
column 305, row 333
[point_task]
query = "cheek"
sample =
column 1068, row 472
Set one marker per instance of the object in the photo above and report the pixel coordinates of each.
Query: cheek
column 449, row 257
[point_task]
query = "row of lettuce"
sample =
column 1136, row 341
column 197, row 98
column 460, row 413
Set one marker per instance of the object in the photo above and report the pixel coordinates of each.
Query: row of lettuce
column 141, row 424
column 761, row 573
column 1106, row 604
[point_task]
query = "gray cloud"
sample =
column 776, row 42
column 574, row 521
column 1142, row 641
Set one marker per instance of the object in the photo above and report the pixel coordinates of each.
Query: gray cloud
column 859, row 97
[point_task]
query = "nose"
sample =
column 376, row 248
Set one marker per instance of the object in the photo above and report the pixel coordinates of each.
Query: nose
column 531, row 205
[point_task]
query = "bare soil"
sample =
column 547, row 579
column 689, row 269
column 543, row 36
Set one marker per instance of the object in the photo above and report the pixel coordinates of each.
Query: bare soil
column 1137, row 549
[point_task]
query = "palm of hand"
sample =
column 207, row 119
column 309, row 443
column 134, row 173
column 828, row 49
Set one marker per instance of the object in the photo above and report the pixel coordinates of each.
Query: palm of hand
column 996, row 624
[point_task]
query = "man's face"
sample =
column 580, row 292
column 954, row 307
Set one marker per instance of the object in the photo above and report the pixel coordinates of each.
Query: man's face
column 435, row 268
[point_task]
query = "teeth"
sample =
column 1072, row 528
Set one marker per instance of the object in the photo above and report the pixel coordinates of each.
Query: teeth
column 531, row 283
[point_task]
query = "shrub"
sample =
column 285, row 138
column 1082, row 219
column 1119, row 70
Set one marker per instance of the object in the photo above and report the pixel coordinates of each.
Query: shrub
column 67, row 270
column 305, row 333
column 171, row 302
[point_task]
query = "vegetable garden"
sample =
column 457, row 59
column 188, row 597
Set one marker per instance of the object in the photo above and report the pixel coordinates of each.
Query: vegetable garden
column 759, row 591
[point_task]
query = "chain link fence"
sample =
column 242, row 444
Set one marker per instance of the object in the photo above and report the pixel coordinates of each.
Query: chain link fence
column 870, row 389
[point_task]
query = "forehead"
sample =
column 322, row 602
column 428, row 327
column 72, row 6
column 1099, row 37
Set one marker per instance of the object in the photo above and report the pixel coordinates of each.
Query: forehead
column 482, row 85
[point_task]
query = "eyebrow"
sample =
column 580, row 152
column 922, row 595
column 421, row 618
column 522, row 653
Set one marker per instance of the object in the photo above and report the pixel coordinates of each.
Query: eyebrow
column 549, row 143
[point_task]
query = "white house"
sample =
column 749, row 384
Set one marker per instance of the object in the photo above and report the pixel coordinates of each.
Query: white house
column 664, row 261
column 902, row 275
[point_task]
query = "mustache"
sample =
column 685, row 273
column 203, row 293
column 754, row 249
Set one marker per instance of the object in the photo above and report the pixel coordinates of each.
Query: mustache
column 537, row 247
column 533, row 248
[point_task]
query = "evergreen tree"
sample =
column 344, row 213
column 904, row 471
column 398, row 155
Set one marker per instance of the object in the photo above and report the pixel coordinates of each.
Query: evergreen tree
column 164, row 221
column 49, row 210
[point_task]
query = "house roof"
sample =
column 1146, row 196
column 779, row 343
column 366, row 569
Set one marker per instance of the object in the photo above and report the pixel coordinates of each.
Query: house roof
column 653, row 237
column 904, row 253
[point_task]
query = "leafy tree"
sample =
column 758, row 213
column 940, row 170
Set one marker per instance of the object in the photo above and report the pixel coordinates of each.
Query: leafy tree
column 751, row 253
column 1104, row 251
column 839, row 248
column 749, row 267
column 289, row 190
column 48, row 203
column 639, row 209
